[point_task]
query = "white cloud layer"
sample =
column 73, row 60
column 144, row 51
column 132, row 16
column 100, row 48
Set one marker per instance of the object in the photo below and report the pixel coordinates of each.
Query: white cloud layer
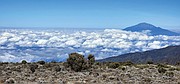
column 33, row 45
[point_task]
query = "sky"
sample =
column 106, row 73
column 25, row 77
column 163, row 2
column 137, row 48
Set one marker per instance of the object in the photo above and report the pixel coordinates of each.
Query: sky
column 89, row 13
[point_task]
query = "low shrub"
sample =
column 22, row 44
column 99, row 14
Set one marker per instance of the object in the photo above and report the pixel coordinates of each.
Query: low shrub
column 53, row 61
column 23, row 61
column 149, row 62
column 57, row 68
column 161, row 70
column 97, row 63
column 172, row 69
column 33, row 67
column 113, row 65
column 91, row 59
column 169, row 74
column 4, row 62
column 178, row 63
column 178, row 69
column 162, row 65
column 128, row 63
column 141, row 66
column 76, row 62
column 41, row 62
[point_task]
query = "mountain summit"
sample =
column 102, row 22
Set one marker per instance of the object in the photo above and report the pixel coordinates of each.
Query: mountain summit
column 154, row 30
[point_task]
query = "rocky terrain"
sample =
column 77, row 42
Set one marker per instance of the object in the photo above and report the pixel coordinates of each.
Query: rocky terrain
column 100, row 73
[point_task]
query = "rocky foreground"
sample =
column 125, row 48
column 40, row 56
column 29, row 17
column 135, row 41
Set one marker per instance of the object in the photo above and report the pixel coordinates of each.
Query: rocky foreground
column 56, row 73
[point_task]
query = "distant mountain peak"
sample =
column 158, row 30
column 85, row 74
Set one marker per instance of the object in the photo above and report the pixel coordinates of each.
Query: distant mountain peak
column 145, row 24
column 154, row 30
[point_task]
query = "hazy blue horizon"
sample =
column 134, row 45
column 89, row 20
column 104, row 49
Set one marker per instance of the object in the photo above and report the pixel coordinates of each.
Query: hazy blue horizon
column 89, row 14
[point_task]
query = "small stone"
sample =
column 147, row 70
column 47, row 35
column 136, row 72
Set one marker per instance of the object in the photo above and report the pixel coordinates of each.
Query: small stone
column 10, row 81
column 112, row 77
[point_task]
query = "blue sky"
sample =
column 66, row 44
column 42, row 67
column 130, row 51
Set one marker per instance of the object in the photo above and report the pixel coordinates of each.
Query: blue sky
column 89, row 13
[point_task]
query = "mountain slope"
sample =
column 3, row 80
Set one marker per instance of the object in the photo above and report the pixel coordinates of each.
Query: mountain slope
column 154, row 30
column 170, row 55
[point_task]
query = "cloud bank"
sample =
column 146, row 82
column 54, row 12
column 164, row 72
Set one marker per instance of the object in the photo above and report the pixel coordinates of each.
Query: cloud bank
column 48, row 45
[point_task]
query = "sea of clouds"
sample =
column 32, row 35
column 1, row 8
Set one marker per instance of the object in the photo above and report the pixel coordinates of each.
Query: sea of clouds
column 48, row 45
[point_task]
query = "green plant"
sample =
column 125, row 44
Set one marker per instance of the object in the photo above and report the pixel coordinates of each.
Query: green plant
column 23, row 62
column 149, row 62
column 76, row 62
column 41, row 62
column 97, row 63
column 141, row 66
column 5, row 62
column 178, row 69
column 53, row 61
column 91, row 59
column 128, row 63
column 33, row 67
column 113, row 65
column 123, row 68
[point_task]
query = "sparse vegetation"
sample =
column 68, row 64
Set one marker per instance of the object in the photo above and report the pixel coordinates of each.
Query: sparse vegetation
column 91, row 59
column 142, row 66
column 24, row 62
column 53, row 61
column 99, row 73
column 172, row 69
column 169, row 74
column 178, row 63
column 41, row 62
column 122, row 68
column 149, row 62
column 33, row 67
column 128, row 63
column 57, row 69
column 161, row 70
column 76, row 62
column 162, row 66
column 113, row 65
